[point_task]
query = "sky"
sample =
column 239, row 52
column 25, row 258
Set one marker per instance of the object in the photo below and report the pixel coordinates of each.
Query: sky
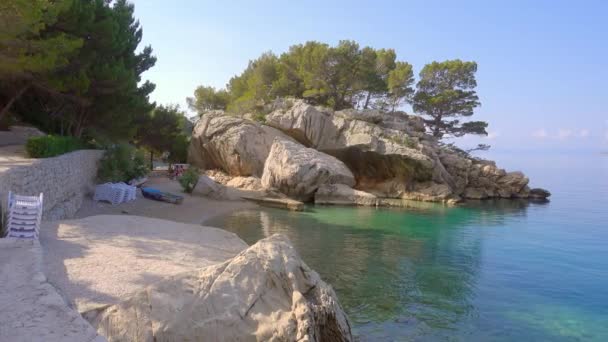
column 542, row 65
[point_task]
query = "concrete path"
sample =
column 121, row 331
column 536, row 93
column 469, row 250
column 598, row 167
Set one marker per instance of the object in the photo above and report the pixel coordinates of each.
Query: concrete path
column 12, row 156
column 30, row 308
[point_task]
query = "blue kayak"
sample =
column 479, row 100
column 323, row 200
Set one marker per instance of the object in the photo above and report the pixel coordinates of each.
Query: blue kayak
column 158, row 195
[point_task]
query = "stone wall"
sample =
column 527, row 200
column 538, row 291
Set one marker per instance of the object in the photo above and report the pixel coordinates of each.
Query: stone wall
column 64, row 180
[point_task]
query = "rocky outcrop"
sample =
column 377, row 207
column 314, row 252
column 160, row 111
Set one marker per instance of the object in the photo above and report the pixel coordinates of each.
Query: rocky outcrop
column 485, row 180
column 298, row 171
column 392, row 157
column 539, row 194
column 237, row 146
column 264, row 293
column 372, row 151
column 389, row 155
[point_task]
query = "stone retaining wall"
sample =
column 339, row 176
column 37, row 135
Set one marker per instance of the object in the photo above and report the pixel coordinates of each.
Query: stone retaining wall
column 64, row 180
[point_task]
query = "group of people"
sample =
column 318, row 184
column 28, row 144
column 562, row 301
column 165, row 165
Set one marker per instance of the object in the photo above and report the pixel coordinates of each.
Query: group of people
column 176, row 170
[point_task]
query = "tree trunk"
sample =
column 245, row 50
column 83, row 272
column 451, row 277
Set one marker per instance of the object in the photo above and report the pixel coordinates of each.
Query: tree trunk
column 78, row 128
column 437, row 130
column 8, row 106
column 151, row 160
column 369, row 95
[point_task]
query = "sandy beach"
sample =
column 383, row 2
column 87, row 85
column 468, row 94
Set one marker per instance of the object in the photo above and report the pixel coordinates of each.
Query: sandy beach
column 195, row 209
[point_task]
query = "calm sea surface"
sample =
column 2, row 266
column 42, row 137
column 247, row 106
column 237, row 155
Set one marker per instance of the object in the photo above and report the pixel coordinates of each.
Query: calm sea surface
column 488, row 271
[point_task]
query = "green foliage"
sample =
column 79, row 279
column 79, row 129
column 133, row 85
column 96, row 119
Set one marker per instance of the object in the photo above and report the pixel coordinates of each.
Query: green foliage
column 178, row 153
column 97, row 86
column 189, row 179
column 28, row 53
column 343, row 76
column 122, row 163
column 51, row 146
column 259, row 117
column 207, row 98
column 163, row 130
column 26, row 49
column 399, row 83
column 446, row 92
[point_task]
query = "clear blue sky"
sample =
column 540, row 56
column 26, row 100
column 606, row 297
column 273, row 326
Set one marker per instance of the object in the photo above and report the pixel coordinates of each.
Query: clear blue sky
column 543, row 65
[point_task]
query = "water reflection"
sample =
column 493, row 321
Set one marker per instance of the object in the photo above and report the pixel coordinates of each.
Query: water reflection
column 410, row 270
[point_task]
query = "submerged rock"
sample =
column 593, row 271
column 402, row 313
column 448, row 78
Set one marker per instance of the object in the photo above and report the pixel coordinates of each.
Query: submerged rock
column 539, row 194
column 264, row 293
column 298, row 171
column 277, row 202
column 341, row 194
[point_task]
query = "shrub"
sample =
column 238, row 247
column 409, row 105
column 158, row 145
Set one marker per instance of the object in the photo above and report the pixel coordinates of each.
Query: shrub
column 259, row 117
column 122, row 163
column 51, row 146
column 189, row 179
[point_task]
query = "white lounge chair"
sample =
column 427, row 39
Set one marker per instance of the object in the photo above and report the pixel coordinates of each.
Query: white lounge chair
column 109, row 192
column 115, row 193
column 130, row 192
column 24, row 216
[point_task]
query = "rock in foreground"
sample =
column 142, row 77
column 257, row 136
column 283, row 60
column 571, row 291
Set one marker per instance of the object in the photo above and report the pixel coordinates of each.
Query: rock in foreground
column 264, row 293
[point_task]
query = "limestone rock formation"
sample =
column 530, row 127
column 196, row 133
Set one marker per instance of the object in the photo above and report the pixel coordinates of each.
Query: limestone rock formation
column 207, row 187
column 372, row 151
column 388, row 154
column 237, row 146
column 298, row 171
column 485, row 180
column 265, row 293
column 341, row 194
column 246, row 183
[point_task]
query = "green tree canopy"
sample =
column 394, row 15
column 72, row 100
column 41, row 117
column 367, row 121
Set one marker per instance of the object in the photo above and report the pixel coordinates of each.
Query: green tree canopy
column 28, row 52
column 399, row 83
column 106, row 74
column 97, row 89
column 165, row 129
column 343, row 76
column 445, row 94
column 208, row 98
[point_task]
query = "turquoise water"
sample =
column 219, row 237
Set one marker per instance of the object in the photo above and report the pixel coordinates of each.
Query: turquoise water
column 486, row 271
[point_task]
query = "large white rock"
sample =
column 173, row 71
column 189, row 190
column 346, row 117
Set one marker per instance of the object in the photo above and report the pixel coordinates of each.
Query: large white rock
column 391, row 155
column 372, row 151
column 298, row 171
column 265, row 293
column 235, row 145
